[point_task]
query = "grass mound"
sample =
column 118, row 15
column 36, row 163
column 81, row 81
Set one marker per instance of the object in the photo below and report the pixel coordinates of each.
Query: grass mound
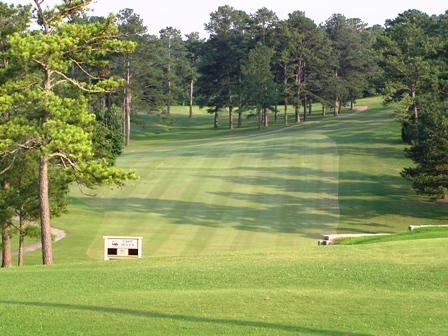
column 382, row 289
column 230, row 222
column 421, row 233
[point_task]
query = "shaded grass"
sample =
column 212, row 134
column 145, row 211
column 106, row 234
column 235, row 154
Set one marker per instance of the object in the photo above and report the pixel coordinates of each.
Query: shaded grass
column 202, row 194
column 180, row 128
column 252, row 192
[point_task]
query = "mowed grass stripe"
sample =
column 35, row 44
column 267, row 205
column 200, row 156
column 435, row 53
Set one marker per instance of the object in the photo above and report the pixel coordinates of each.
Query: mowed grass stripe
column 185, row 235
column 234, row 194
column 372, row 196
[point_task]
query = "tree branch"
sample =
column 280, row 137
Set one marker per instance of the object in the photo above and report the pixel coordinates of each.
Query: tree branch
column 45, row 23
column 82, row 69
column 12, row 162
column 70, row 162
column 78, row 85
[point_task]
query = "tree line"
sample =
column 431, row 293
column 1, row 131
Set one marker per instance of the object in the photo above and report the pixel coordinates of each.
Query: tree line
column 70, row 90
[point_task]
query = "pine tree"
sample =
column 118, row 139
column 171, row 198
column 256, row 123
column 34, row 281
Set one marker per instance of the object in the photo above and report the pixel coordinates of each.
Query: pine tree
column 429, row 152
column 48, row 109
column 258, row 83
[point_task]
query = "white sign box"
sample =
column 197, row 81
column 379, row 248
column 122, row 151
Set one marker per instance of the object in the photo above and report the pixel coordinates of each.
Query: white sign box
column 126, row 243
column 118, row 247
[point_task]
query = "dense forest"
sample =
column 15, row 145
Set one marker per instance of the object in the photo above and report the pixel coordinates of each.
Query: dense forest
column 70, row 90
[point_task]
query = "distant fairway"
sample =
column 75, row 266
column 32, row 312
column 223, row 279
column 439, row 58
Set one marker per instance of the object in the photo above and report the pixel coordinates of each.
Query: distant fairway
column 203, row 190
column 230, row 221
column 249, row 193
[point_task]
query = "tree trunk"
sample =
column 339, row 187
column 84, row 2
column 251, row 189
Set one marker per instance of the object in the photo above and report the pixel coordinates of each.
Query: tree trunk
column 128, row 119
column 265, row 113
column 168, row 102
column 304, row 109
column 323, row 110
column 128, row 103
column 21, row 236
column 231, row 117
column 6, row 245
column 259, row 118
column 47, row 248
column 310, row 107
column 285, row 83
column 240, row 120
column 336, row 98
column 276, row 106
column 44, row 200
column 123, row 111
column 6, row 239
column 414, row 95
column 352, row 104
column 298, row 113
column 298, row 100
column 191, row 98
column 215, row 122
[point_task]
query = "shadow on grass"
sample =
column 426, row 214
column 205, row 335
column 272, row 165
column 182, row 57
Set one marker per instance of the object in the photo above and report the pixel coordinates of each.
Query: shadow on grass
column 289, row 215
column 315, row 210
column 186, row 318
column 362, row 196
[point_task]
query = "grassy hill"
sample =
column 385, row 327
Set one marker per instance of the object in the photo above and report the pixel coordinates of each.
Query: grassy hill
column 380, row 289
column 238, row 190
column 230, row 221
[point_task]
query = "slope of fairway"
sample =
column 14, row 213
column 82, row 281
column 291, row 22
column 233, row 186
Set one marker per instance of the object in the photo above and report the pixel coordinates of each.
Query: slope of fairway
column 203, row 190
column 251, row 193
column 385, row 289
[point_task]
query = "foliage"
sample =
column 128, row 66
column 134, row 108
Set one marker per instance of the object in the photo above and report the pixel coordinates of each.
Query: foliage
column 108, row 138
column 258, row 91
column 429, row 152
column 407, row 49
column 352, row 61
column 38, row 113
column 228, row 45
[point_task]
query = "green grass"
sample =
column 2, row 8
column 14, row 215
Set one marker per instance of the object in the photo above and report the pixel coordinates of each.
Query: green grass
column 230, row 221
column 215, row 191
column 181, row 128
column 381, row 289
column 422, row 233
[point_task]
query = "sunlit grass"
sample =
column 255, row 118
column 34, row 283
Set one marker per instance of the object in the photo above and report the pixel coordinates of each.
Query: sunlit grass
column 230, row 221
column 391, row 289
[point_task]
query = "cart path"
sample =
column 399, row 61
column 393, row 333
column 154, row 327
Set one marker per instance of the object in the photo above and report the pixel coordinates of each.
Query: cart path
column 59, row 234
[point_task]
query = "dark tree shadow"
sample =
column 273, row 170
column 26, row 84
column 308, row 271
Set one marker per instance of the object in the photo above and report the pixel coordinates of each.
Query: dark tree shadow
column 194, row 319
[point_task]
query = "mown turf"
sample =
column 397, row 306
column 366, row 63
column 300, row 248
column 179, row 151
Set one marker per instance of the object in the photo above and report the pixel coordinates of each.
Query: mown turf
column 250, row 191
column 229, row 224
column 380, row 289
column 225, row 195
